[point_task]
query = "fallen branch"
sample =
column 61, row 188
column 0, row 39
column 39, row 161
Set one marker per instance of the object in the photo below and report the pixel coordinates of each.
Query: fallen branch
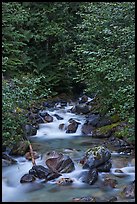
column 31, row 153
column 31, row 150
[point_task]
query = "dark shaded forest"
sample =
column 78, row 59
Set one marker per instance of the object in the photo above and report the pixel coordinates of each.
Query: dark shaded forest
column 50, row 48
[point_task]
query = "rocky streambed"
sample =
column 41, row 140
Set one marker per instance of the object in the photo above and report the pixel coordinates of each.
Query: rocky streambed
column 77, row 157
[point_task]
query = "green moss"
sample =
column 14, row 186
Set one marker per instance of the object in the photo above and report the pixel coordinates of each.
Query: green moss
column 95, row 151
column 120, row 134
column 115, row 118
column 107, row 128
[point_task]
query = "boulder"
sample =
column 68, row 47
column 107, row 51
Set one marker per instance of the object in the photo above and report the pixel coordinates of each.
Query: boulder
column 87, row 129
column 58, row 162
column 72, row 127
column 105, row 131
column 53, row 175
column 93, row 119
column 95, row 157
column 104, row 167
column 103, row 121
column 81, row 109
column 89, row 176
column 30, row 130
column 27, row 178
column 39, row 171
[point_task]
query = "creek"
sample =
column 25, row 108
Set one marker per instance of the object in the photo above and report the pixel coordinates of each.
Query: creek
column 49, row 137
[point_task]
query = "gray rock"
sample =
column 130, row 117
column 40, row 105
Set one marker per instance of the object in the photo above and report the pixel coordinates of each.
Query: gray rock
column 39, row 171
column 8, row 158
column 72, row 127
column 58, row 162
column 93, row 119
column 26, row 178
column 90, row 176
column 96, row 156
column 105, row 167
column 87, row 129
column 81, row 109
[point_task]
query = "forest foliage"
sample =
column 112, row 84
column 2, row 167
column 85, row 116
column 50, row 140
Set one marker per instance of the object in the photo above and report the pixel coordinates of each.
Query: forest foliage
column 52, row 47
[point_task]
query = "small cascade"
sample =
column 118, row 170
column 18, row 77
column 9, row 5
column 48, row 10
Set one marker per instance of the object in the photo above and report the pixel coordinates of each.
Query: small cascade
column 51, row 130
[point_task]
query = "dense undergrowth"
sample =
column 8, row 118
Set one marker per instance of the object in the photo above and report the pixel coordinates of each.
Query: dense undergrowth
column 50, row 48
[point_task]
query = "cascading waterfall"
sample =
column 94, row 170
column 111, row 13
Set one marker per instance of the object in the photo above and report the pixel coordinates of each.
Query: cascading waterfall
column 51, row 130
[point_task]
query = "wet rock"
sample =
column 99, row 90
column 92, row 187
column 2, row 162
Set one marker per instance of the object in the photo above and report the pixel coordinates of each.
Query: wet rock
column 26, row 178
column 40, row 171
column 105, row 167
column 93, row 119
column 61, row 126
column 20, row 148
column 8, row 158
column 30, row 130
column 103, row 121
column 84, row 199
column 105, row 131
column 63, row 103
column 64, row 181
column 96, row 156
column 83, row 99
column 81, row 109
column 72, row 127
column 119, row 171
column 89, row 177
column 48, row 118
column 110, row 182
column 120, row 145
column 28, row 155
column 129, row 191
column 59, row 162
column 87, row 129
column 53, row 175
column 58, row 117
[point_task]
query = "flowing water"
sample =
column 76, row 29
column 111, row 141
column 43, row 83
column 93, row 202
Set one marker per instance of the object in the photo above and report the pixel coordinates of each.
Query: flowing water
column 49, row 137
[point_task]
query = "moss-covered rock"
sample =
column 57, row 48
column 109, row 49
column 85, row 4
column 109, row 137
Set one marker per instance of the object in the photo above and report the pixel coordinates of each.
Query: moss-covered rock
column 105, row 131
column 115, row 118
column 95, row 157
